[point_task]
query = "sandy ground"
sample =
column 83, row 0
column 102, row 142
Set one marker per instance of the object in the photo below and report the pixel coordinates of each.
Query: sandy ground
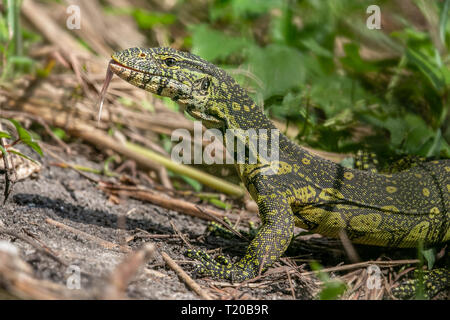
column 63, row 195
column 58, row 195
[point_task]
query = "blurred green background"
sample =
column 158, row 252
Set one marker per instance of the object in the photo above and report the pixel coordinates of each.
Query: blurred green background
column 313, row 65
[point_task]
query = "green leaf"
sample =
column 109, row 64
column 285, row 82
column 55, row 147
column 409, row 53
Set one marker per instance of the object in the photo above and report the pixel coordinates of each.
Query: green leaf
column 33, row 145
column 23, row 134
column 331, row 288
column 147, row 19
column 241, row 9
column 3, row 150
column 354, row 61
column 106, row 170
column 398, row 130
column 432, row 72
column 26, row 137
column 197, row 186
column 219, row 204
column 279, row 67
column 430, row 256
column 410, row 35
column 252, row 7
column 410, row 134
column 443, row 20
column 170, row 104
column 22, row 61
column 5, row 135
column 316, row 48
column 435, row 144
column 342, row 93
column 23, row 156
column 212, row 44
column 323, row 276
column 60, row 133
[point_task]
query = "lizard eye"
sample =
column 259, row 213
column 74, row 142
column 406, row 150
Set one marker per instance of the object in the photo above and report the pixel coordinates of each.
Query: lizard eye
column 170, row 62
column 205, row 84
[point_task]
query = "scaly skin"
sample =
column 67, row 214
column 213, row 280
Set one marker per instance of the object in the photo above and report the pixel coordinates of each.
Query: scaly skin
column 397, row 210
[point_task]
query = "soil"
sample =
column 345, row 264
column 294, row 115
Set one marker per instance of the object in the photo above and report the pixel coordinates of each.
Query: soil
column 63, row 195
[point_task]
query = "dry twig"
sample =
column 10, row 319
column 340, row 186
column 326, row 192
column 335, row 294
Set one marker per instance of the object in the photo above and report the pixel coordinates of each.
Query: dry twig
column 16, row 276
column 185, row 277
column 35, row 244
column 105, row 244
column 160, row 200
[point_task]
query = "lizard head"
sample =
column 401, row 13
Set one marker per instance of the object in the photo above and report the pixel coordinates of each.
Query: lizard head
column 204, row 90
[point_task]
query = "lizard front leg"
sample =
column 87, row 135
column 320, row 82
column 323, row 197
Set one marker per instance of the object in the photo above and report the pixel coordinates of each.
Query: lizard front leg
column 269, row 244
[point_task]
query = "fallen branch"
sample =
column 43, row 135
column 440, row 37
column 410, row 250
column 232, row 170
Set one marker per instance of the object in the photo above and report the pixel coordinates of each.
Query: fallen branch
column 204, row 178
column 182, row 237
column 144, row 157
column 185, row 277
column 16, row 277
column 105, row 244
column 363, row 264
column 41, row 248
column 161, row 200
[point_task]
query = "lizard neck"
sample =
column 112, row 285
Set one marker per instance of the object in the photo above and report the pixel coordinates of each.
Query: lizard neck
column 254, row 134
column 256, row 142
column 247, row 127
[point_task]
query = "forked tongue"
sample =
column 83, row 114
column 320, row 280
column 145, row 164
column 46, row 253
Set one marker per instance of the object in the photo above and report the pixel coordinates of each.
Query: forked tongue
column 109, row 75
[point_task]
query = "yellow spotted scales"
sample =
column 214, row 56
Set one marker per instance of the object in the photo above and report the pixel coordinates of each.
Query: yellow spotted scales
column 397, row 210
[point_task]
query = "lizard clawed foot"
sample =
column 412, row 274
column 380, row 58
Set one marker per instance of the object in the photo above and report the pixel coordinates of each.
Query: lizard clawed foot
column 220, row 267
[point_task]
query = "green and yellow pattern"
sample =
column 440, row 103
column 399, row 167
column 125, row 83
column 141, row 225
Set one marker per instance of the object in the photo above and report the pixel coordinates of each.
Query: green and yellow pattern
column 393, row 210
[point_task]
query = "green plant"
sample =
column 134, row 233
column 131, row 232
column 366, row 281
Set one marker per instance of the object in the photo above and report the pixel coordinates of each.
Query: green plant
column 331, row 289
column 293, row 70
column 13, row 42
column 24, row 137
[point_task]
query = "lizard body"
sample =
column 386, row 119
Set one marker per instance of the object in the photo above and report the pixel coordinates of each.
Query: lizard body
column 397, row 210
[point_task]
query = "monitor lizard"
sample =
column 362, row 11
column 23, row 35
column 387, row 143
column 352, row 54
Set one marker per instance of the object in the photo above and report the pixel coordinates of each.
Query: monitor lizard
column 297, row 188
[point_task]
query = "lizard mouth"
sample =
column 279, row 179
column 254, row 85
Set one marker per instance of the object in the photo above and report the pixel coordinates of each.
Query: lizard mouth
column 118, row 67
column 203, row 116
